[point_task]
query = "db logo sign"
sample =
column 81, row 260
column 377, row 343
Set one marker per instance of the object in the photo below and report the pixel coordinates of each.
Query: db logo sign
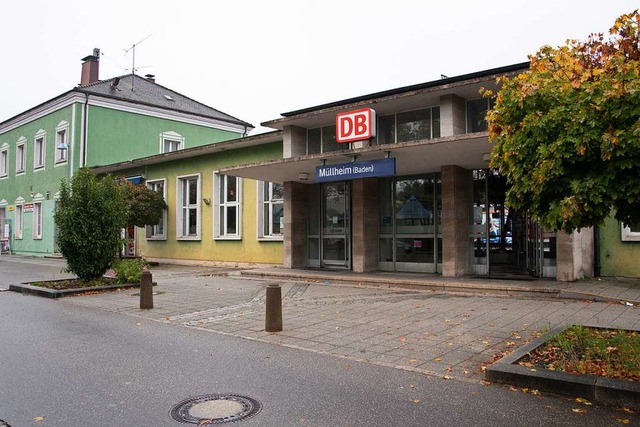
column 356, row 125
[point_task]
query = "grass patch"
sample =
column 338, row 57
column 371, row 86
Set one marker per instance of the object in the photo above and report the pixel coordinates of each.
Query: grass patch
column 609, row 353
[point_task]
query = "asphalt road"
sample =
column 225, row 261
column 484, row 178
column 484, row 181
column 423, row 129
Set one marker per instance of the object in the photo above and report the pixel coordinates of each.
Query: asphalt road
column 79, row 366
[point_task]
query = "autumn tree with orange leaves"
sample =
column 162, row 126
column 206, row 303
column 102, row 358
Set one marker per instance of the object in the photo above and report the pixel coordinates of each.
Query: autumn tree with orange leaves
column 566, row 132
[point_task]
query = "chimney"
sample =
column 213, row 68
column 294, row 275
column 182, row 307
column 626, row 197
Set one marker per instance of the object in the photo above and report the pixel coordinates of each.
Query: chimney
column 90, row 68
column 150, row 77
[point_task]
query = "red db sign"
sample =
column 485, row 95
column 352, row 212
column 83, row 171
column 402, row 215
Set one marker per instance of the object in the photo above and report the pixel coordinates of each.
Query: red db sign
column 356, row 125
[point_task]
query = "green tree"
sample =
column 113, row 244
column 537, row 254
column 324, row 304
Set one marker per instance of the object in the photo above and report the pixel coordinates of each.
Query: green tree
column 145, row 206
column 566, row 132
column 91, row 214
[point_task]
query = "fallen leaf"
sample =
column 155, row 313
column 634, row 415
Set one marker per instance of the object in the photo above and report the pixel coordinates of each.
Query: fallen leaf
column 416, row 400
column 437, row 359
column 583, row 401
column 622, row 420
column 535, row 392
column 465, row 372
column 579, row 411
column 413, row 360
column 38, row 418
column 138, row 324
column 627, row 410
column 474, row 393
column 338, row 328
column 513, row 388
column 412, row 385
column 525, row 390
column 447, row 377
column 402, row 339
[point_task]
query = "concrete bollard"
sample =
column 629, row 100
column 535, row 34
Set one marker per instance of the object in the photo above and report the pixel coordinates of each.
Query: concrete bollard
column 273, row 318
column 146, row 290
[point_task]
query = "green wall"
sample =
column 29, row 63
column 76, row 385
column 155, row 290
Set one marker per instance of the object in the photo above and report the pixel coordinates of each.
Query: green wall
column 618, row 258
column 137, row 135
column 45, row 181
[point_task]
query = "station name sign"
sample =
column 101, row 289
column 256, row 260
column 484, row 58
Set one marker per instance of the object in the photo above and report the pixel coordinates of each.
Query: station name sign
column 356, row 125
column 356, row 170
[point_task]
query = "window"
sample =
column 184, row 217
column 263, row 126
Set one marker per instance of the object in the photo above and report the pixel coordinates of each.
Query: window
column 631, row 233
column 157, row 232
column 188, row 212
column 20, row 156
column 476, row 113
column 17, row 223
column 39, row 150
column 270, row 210
column 409, row 126
column 228, row 205
column 61, row 145
column 171, row 141
column 324, row 140
column 4, row 160
column 37, row 220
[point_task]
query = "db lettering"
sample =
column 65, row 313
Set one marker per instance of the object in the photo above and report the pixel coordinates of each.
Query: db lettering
column 355, row 125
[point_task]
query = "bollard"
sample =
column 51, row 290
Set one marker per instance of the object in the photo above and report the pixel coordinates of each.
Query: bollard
column 273, row 318
column 146, row 290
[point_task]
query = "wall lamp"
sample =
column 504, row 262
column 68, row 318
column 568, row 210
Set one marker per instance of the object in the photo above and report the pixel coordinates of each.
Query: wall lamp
column 303, row 176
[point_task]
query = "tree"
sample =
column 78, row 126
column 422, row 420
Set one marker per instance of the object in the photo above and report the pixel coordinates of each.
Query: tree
column 566, row 132
column 90, row 216
column 145, row 206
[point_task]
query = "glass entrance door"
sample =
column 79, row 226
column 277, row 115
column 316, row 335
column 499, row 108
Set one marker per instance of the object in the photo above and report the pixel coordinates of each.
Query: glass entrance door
column 336, row 225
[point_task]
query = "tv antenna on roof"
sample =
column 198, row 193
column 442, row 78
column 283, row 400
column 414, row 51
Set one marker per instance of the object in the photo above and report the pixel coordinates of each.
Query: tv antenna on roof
column 133, row 62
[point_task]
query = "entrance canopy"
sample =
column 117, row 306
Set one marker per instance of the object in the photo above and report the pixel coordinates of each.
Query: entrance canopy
column 470, row 151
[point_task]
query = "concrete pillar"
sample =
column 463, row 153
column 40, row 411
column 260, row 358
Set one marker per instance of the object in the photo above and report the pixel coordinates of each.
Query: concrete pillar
column 574, row 259
column 295, row 225
column 453, row 115
column 294, row 142
column 455, row 221
column 364, row 225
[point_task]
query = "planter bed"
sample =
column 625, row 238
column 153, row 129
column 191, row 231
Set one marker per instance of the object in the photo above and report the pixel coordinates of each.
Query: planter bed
column 603, row 390
column 28, row 289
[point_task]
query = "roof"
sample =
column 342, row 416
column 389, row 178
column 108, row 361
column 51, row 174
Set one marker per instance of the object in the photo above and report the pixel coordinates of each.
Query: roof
column 139, row 90
column 216, row 147
column 435, row 83
column 145, row 92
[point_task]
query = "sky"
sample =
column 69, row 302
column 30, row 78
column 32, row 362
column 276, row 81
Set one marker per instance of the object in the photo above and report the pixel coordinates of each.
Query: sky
column 256, row 59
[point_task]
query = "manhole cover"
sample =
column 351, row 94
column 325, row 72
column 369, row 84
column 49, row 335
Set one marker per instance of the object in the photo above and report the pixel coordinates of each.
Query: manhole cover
column 215, row 409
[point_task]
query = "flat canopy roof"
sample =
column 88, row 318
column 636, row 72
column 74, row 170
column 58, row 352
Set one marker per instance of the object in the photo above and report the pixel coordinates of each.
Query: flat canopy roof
column 469, row 151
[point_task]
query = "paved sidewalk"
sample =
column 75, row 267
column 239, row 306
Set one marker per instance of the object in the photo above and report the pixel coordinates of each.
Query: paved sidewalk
column 422, row 330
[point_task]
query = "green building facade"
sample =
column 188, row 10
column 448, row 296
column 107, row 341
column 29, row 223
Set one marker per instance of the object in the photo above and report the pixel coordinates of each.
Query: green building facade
column 97, row 123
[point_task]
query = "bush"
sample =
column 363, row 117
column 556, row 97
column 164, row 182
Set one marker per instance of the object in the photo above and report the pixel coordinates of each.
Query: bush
column 91, row 214
column 128, row 270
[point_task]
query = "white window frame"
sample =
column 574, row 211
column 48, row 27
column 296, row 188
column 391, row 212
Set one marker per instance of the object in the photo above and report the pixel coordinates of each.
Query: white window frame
column 61, row 155
column 37, row 220
column 40, row 136
column 4, row 161
column 221, row 206
column 21, row 159
column 18, row 218
column 173, row 137
column 181, row 209
column 152, row 230
column 628, row 235
column 263, row 234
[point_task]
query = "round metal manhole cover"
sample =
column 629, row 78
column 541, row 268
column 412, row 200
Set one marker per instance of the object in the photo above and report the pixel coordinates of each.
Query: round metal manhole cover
column 215, row 409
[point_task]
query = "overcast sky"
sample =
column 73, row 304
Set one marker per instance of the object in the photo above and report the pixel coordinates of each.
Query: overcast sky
column 256, row 59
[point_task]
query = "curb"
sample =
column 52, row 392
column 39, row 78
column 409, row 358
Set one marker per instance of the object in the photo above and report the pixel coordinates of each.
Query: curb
column 26, row 289
column 606, row 391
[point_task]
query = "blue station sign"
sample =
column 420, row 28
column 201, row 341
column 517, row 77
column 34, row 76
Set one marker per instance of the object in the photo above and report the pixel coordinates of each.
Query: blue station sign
column 356, row 170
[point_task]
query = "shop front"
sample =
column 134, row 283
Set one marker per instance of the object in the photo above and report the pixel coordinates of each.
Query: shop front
column 399, row 181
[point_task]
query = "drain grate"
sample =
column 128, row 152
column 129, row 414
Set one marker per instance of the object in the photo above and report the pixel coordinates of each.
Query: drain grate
column 215, row 409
